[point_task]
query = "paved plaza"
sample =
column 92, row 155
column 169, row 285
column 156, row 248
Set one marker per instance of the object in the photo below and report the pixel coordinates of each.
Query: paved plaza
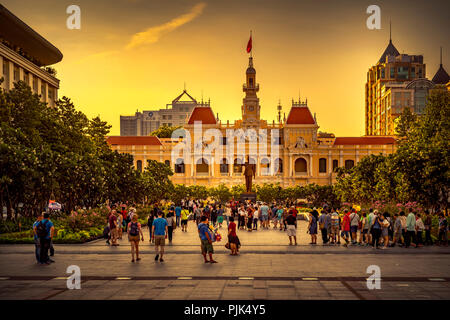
column 268, row 268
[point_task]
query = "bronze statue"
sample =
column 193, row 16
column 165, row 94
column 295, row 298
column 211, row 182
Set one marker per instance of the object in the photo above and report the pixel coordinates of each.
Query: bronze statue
column 249, row 173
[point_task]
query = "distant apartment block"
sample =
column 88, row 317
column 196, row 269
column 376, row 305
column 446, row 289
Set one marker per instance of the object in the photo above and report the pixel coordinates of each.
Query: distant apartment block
column 175, row 114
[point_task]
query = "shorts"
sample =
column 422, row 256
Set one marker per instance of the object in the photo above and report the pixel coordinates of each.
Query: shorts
column 207, row 247
column 160, row 240
column 365, row 231
column 335, row 229
column 291, row 230
column 133, row 238
column 264, row 217
column 184, row 222
column 384, row 232
column 353, row 229
column 345, row 233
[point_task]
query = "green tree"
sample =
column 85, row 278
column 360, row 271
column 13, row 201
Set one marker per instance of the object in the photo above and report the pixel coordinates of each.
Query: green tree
column 164, row 131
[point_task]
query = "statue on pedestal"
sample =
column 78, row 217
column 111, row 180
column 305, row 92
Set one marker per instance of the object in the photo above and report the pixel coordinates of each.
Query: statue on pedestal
column 250, row 174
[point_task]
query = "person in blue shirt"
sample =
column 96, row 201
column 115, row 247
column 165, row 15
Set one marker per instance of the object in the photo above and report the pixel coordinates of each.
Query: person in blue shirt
column 45, row 241
column 206, row 239
column 178, row 215
column 159, row 235
column 37, row 243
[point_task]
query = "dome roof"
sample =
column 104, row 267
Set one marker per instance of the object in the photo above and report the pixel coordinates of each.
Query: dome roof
column 251, row 70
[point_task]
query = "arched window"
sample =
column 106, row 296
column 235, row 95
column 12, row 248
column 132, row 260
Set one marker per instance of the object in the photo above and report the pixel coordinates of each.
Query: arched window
column 237, row 166
column 139, row 165
column 179, row 166
column 278, row 165
column 349, row 164
column 322, row 165
column 224, row 165
column 202, row 167
column 265, row 170
column 335, row 164
column 300, row 165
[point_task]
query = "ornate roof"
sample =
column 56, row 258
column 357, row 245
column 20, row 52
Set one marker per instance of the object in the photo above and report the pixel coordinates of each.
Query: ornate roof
column 391, row 50
column 300, row 115
column 134, row 140
column 364, row 140
column 203, row 114
column 441, row 76
column 191, row 99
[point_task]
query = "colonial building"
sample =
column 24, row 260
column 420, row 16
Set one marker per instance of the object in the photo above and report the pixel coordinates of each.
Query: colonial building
column 24, row 55
column 288, row 152
column 175, row 114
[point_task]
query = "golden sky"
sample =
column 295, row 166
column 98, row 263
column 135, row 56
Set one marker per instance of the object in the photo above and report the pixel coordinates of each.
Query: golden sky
column 136, row 55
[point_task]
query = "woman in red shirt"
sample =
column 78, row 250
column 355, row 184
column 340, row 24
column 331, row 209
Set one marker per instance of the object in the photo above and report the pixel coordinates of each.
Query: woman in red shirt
column 233, row 239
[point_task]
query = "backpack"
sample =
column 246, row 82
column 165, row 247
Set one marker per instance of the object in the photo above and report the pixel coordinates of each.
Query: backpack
column 41, row 229
column 134, row 231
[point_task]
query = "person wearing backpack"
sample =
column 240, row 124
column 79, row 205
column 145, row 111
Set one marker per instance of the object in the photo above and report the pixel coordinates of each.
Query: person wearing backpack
column 134, row 230
column 44, row 231
column 37, row 243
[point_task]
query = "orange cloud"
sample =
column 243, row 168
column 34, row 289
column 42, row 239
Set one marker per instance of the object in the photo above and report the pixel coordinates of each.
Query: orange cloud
column 152, row 35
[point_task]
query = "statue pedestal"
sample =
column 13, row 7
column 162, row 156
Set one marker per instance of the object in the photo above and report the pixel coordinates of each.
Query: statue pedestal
column 248, row 196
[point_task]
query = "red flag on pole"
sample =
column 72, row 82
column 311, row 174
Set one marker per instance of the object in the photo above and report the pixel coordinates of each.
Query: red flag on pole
column 249, row 45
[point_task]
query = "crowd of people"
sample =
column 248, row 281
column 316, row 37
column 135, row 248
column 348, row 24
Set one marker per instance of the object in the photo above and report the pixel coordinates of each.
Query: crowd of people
column 371, row 228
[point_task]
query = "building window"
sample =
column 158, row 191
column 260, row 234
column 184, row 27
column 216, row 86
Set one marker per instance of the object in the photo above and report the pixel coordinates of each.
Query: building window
column 224, row 166
column 26, row 77
column 237, row 166
column 50, row 93
column 43, row 91
column 202, row 167
column 250, row 82
column 278, row 165
column 5, row 67
column 392, row 72
column 335, row 165
column 265, row 167
column 169, row 124
column 139, row 165
column 179, row 166
column 16, row 73
column 322, row 165
column 349, row 164
column 224, row 141
column 35, row 84
column 300, row 165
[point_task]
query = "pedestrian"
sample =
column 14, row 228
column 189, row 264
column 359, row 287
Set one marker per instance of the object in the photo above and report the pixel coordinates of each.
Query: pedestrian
column 385, row 230
column 37, row 241
column 220, row 214
column 280, row 213
column 312, row 227
column 346, row 227
column 228, row 214
column 119, row 226
column 443, row 230
column 427, row 223
column 291, row 222
column 206, row 239
column 184, row 219
column 242, row 214
column 159, row 234
column 364, row 227
column 403, row 222
column 250, row 212
column 410, row 229
column 354, row 223
column 113, row 227
column 178, row 215
column 171, row 224
column 335, row 236
column 44, row 231
column 134, row 230
column 255, row 219
column 376, row 230
column 264, row 214
column 323, row 226
column 397, row 230
column 419, row 230
column 150, row 219
column 233, row 239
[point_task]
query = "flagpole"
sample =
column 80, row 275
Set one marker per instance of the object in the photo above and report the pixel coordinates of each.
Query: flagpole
column 251, row 50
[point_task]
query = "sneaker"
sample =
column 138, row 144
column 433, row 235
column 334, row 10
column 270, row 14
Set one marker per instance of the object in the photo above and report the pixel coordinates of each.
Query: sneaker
column 138, row 259
column 156, row 257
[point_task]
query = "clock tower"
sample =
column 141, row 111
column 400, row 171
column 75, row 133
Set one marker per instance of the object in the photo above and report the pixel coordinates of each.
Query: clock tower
column 250, row 107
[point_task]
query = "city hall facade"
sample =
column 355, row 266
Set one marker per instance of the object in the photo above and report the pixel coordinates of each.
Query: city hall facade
column 301, row 155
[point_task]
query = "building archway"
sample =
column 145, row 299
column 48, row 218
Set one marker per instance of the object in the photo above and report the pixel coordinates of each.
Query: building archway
column 300, row 166
column 202, row 167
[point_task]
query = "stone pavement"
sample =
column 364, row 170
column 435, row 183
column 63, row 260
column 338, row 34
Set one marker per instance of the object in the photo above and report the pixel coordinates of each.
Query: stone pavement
column 309, row 272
